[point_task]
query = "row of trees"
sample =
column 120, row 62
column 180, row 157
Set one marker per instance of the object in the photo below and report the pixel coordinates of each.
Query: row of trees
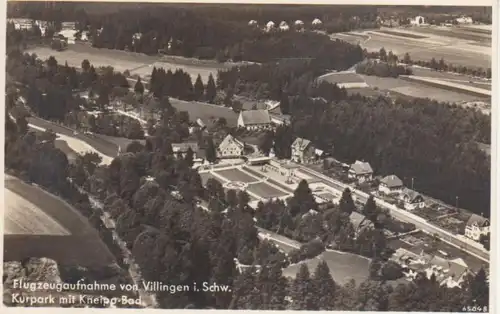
column 434, row 64
column 382, row 69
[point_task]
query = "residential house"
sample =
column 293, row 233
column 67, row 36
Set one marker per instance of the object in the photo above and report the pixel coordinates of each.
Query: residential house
column 359, row 222
column 360, row 171
column 252, row 23
column 464, row 20
column 284, row 26
column 476, row 226
column 412, row 199
column 254, row 120
column 68, row 25
column 270, row 25
column 22, row 24
column 417, row 21
column 302, row 150
column 230, row 146
column 182, row 148
column 390, row 185
column 316, row 22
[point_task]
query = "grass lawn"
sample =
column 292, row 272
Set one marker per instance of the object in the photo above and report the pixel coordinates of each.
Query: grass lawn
column 236, row 175
column 265, row 190
column 208, row 113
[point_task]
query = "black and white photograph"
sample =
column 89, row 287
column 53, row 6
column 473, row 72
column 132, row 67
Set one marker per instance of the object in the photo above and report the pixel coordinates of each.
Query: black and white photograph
column 320, row 157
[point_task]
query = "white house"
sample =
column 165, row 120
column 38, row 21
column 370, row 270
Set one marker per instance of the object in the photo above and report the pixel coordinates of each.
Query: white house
column 316, row 22
column 22, row 24
column 254, row 120
column 412, row 199
column 299, row 24
column 230, row 146
column 390, row 185
column 284, row 26
column 360, row 171
column 476, row 226
column 252, row 23
column 417, row 21
column 302, row 150
column 464, row 20
column 270, row 25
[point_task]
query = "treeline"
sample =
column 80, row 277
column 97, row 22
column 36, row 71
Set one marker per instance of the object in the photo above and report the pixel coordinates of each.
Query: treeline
column 178, row 84
column 440, row 65
column 432, row 142
column 382, row 69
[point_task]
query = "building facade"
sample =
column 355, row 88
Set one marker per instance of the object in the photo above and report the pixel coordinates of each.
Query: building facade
column 412, row 199
column 477, row 226
column 302, row 150
column 230, row 146
column 390, row 185
column 360, row 171
column 254, row 120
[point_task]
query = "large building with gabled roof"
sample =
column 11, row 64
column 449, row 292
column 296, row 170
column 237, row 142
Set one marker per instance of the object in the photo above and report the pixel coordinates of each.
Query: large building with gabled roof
column 254, row 120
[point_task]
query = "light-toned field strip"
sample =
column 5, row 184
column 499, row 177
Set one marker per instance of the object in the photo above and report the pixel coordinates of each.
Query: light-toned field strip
column 77, row 145
column 23, row 217
column 463, row 87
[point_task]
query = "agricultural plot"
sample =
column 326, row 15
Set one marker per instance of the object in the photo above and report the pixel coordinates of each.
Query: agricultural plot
column 339, row 78
column 452, row 32
column 265, row 190
column 38, row 224
column 401, row 34
column 236, row 175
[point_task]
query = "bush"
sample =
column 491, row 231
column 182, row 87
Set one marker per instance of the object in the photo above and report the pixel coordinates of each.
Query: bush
column 391, row 271
column 308, row 250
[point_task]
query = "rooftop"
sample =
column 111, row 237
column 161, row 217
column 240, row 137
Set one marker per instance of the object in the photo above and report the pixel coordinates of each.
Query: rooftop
column 252, row 117
column 392, row 181
column 360, row 167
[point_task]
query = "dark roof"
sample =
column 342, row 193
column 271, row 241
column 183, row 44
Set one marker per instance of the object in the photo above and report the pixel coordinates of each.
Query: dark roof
column 411, row 194
column 478, row 220
column 392, row 181
column 360, row 167
column 251, row 117
column 359, row 221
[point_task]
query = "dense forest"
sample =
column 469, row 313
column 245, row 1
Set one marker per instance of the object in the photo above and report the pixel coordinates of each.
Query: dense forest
column 432, row 142
column 175, row 241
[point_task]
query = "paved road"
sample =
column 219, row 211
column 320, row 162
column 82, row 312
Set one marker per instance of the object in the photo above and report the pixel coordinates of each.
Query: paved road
column 105, row 147
column 405, row 216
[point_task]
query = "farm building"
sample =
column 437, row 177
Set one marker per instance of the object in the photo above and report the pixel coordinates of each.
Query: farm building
column 417, row 21
column 412, row 199
column 270, row 25
column 230, row 146
column 390, row 185
column 477, row 226
column 316, row 22
column 254, row 120
column 360, row 171
column 302, row 150
column 284, row 26
column 464, row 20
column 68, row 25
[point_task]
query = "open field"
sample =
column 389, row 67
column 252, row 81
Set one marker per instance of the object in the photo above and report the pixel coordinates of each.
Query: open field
column 407, row 35
column 236, row 175
column 206, row 112
column 265, row 190
column 343, row 266
column 136, row 63
column 454, row 32
column 339, row 78
column 452, row 77
column 38, row 224
column 440, row 44
column 415, row 89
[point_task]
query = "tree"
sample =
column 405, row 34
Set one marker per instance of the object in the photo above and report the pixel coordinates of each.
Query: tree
column 346, row 202
column 479, row 289
column 285, row 104
column 324, row 287
column 383, row 54
column 189, row 157
column 139, row 88
column 211, row 90
column 85, row 65
column 199, row 89
column 484, row 239
column 407, row 58
column 303, row 200
column 211, row 152
column 370, row 209
column 302, row 293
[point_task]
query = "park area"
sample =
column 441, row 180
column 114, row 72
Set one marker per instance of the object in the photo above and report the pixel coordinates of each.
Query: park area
column 38, row 224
